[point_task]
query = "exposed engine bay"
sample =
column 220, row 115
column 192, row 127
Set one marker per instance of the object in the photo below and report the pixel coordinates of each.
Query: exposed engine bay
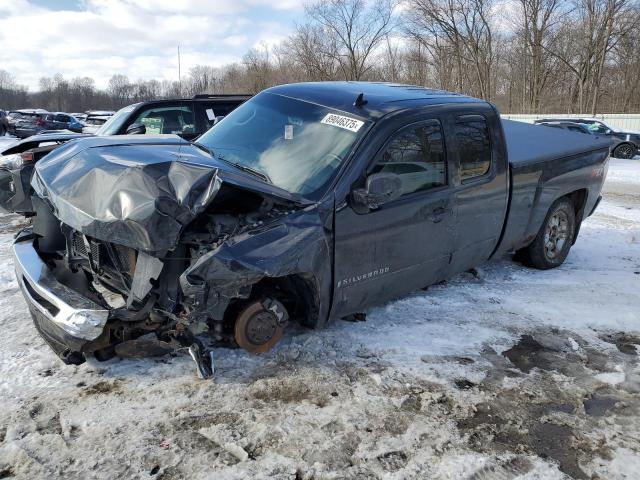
column 158, row 304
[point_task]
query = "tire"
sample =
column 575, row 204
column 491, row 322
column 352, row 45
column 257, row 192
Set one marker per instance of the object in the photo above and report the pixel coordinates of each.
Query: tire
column 552, row 243
column 624, row 151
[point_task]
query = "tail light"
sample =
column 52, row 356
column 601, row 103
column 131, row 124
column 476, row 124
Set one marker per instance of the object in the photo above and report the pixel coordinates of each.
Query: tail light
column 39, row 122
column 27, row 157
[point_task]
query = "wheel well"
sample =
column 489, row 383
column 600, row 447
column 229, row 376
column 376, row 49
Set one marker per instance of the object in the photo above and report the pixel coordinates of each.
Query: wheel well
column 579, row 201
column 624, row 143
column 299, row 293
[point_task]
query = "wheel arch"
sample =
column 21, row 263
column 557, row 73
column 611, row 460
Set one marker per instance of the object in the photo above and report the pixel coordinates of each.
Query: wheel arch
column 579, row 200
column 299, row 293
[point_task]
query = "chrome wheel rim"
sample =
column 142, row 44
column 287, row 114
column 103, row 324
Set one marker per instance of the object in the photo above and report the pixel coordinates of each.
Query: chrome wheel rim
column 625, row 151
column 556, row 234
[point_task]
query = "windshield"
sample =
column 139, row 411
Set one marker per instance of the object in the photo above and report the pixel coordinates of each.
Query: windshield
column 111, row 126
column 599, row 127
column 297, row 145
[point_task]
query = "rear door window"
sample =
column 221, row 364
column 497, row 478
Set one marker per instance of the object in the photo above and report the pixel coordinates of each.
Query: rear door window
column 474, row 146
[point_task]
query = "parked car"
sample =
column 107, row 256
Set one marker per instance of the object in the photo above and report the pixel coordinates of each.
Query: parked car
column 628, row 147
column 292, row 208
column 21, row 122
column 4, row 123
column 81, row 117
column 93, row 123
column 41, row 122
column 16, row 169
column 188, row 118
column 584, row 129
column 100, row 113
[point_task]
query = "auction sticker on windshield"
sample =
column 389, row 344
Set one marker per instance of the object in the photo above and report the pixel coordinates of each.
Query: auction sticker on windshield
column 343, row 122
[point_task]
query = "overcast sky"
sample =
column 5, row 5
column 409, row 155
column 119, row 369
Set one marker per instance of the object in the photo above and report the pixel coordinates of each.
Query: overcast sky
column 138, row 38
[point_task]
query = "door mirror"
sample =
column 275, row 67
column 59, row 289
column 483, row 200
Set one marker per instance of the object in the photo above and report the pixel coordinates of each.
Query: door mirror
column 136, row 129
column 381, row 188
column 218, row 119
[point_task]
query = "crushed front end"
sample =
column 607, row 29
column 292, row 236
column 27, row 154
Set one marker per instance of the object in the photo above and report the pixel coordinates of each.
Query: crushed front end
column 143, row 259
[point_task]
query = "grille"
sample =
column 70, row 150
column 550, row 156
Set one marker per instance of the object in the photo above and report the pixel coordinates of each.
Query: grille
column 78, row 245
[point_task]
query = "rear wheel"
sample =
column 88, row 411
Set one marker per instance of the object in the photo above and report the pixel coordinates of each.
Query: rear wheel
column 552, row 243
column 624, row 150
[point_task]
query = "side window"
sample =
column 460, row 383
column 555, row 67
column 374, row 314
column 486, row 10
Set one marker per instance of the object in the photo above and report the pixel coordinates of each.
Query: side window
column 474, row 146
column 167, row 119
column 416, row 155
column 62, row 118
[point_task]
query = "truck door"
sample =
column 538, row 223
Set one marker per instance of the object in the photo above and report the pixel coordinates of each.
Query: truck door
column 481, row 188
column 404, row 244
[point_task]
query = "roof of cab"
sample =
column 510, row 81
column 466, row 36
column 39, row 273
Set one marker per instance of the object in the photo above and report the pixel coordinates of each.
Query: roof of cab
column 382, row 98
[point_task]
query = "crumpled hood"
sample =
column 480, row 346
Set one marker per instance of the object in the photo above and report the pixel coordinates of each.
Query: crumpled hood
column 132, row 190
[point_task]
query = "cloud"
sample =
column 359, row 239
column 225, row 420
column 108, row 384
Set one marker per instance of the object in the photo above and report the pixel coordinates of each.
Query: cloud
column 138, row 38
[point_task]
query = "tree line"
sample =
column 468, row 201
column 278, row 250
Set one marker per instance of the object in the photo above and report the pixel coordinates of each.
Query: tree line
column 526, row 56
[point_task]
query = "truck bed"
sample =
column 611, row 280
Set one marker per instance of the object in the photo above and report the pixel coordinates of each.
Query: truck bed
column 546, row 163
column 528, row 143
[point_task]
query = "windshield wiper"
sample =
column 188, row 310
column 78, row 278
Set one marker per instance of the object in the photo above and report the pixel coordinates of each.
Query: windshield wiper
column 253, row 171
column 245, row 168
column 239, row 166
column 201, row 146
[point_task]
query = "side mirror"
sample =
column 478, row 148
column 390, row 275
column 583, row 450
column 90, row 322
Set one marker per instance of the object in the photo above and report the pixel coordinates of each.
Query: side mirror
column 608, row 132
column 381, row 188
column 136, row 129
column 218, row 119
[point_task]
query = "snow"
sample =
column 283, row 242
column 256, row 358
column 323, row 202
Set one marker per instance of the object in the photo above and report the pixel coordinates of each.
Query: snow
column 504, row 373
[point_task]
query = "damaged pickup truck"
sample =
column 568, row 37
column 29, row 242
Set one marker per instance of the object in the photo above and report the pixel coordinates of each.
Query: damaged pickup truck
column 309, row 202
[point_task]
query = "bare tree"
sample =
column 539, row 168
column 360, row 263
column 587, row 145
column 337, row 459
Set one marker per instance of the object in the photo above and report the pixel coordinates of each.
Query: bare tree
column 459, row 38
column 353, row 30
column 555, row 56
column 538, row 24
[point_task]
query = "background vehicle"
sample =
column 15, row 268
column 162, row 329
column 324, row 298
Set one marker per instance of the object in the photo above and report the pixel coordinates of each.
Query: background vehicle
column 81, row 117
column 93, row 123
column 628, row 147
column 40, row 122
column 188, row 117
column 21, row 122
column 4, row 123
column 291, row 208
column 582, row 128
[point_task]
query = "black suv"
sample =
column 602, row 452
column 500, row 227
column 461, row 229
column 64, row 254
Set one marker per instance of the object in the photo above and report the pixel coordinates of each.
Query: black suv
column 187, row 118
column 627, row 147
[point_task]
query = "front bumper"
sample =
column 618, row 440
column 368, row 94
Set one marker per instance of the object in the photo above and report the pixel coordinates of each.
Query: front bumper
column 65, row 319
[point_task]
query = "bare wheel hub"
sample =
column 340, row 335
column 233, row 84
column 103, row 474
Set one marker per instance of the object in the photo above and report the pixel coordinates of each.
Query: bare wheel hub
column 556, row 234
column 260, row 325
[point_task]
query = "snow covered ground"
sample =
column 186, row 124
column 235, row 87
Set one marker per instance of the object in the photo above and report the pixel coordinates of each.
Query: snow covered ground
column 503, row 373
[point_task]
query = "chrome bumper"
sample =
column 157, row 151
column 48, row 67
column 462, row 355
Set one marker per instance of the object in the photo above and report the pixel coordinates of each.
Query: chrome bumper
column 76, row 315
